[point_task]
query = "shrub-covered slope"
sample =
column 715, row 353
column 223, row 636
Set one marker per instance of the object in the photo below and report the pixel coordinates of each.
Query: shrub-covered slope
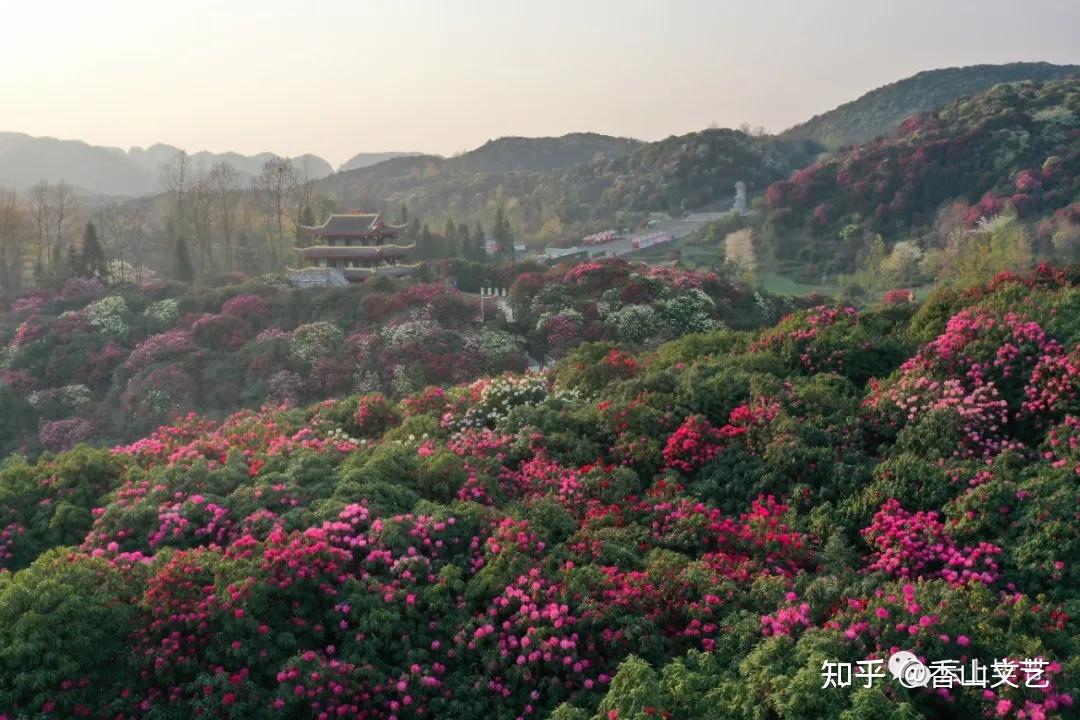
column 684, row 533
column 91, row 363
column 1016, row 144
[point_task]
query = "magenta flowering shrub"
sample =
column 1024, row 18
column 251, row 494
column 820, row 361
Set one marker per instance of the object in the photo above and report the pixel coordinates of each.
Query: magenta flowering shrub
column 693, row 444
column 229, row 332
column 157, row 348
column 60, row 435
column 82, row 289
column 804, row 338
column 914, row 545
column 1000, row 375
column 246, row 307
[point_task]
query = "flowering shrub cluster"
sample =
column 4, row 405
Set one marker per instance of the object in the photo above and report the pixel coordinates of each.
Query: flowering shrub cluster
column 685, row 533
column 146, row 356
column 635, row 304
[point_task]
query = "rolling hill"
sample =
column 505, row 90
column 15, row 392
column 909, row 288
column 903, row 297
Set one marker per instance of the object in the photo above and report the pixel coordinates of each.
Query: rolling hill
column 1016, row 144
column 881, row 111
column 615, row 181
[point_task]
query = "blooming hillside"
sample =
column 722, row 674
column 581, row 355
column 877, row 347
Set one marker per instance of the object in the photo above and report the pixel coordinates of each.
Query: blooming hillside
column 1016, row 144
column 690, row 532
column 92, row 364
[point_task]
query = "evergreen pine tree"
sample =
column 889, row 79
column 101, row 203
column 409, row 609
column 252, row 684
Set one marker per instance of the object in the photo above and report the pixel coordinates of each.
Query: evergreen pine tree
column 76, row 267
column 425, row 244
column 450, row 239
column 496, row 229
column 504, row 236
column 464, row 241
column 183, row 270
column 93, row 255
column 479, row 244
column 403, row 215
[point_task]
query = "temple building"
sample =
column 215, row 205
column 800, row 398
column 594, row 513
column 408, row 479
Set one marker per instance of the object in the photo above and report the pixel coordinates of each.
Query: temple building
column 356, row 245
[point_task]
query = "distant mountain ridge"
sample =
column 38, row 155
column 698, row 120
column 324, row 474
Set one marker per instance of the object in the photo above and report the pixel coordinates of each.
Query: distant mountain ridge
column 880, row 111
column 24, row 160
column 367, row 159
column 97, row 169
column 506, row 154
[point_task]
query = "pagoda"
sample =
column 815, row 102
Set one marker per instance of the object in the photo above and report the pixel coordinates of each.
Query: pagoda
column 357, row 245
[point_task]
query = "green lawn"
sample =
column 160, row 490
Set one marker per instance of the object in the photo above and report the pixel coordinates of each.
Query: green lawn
column 781, row 285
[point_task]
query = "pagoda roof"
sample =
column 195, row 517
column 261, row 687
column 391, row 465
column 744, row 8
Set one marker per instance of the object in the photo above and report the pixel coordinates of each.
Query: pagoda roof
column 350, row 225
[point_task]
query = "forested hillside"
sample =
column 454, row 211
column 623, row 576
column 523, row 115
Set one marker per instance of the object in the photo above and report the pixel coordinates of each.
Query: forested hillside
column 1013, row 148
column 689, row 532
column 684, row 172
column 880, row 111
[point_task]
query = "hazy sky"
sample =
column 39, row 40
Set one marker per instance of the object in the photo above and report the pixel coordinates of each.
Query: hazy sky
column 338, row 77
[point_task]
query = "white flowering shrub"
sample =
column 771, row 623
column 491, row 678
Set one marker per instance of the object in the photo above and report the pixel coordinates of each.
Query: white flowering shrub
column 315, row 341
column 163, row 314
column 409, row 332
column 407, row 379
column 498, row 347
column 107, row 316
column 636, row 323
column 688, row 312
column 501, row 395
column 66, row 400
column 366, row 382
column 610, row 301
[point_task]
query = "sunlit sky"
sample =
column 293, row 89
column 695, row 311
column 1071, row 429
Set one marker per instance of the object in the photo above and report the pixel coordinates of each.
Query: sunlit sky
column 336, row 77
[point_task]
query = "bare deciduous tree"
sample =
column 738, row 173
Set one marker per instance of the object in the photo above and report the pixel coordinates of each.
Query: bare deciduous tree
column 126, row 236
column 275, row 187
column 176, row 181
column 55, row 212
column 225, row 186
column 14, row 227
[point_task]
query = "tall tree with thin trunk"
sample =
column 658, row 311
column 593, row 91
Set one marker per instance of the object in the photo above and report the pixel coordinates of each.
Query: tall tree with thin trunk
column 65, row 212
column 14, row 230
column 176, row 181
column 275, row 186
column 225, row 184
column 202, row 221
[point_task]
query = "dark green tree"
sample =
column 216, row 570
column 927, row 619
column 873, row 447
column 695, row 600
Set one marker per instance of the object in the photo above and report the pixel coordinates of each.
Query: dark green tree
column 183, row 270
column 479, row 244
column 450, row 239
column 464, row 241
column 425, row 245
column 76, row 266
column 504, row 236
column 93, row 255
